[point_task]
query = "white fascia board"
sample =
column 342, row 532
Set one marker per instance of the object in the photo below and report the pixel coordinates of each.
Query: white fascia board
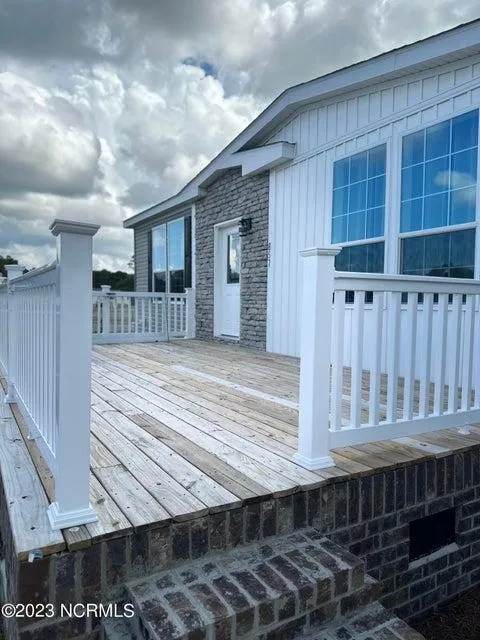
column 462, row 40
column 184, row 198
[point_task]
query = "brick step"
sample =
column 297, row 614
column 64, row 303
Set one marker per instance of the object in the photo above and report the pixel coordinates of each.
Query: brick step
column 302, row 578
column 372, row 622
column 119, row 629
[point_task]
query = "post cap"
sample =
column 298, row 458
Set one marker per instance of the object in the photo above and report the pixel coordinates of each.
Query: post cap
column 70, row 226
column 13, row 267
column 333, row 250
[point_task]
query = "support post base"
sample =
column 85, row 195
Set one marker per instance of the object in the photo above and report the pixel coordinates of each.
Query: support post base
column 64, row 520
column 313, row 463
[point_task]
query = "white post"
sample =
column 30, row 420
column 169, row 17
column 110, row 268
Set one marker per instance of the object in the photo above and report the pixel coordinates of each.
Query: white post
column 166, row 316
column 13, row 271
column 74, row 349
column 106, row 288
column 315, row 353
column 190, row 311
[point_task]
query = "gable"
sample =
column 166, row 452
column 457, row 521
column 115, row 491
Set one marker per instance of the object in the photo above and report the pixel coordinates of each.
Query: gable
column 355, row 114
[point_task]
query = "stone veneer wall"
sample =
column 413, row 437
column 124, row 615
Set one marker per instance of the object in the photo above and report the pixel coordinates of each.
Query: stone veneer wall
column 229, row 197
column 367, row 515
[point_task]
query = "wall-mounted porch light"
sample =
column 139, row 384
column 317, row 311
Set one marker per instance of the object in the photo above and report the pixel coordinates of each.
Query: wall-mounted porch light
column 244, row 226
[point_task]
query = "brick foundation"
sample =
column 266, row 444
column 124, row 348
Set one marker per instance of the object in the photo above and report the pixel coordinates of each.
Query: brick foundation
column 367, row 515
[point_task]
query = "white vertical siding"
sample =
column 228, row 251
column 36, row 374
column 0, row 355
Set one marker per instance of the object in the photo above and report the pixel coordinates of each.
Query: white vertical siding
column 300, row 194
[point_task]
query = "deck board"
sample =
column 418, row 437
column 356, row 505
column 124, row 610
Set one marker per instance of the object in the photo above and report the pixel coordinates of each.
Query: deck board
column 25, row 496
column 186, row 428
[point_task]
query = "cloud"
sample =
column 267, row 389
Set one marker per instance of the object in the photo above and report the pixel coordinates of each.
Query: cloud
column 171, row 129
column 61, row 28
column 44, row 145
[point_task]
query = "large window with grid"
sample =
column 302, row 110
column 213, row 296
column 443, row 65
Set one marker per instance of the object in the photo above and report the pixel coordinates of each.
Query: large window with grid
column 358, row 209
column 359, row 196
column 439, row 174
column 438, row 191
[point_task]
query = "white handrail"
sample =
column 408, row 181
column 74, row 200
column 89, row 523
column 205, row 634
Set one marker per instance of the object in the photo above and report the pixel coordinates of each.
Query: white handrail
column 125, row 316
column 405, row 363
column 49, row 342
column 3, row 326
column 345, row 281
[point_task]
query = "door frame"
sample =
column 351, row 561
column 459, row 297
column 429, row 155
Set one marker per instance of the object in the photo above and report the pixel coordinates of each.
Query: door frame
column 217, row 270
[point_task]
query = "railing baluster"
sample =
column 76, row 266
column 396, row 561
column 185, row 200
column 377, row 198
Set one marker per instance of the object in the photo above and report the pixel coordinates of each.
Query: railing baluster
column 467, row 359
column 476, row 348
column 409, row 378
column 424, row 397
column 376, row 369
column 337, row 360
column 455, row 365
column 393, row 350
column 441, row 344
column 357, row 359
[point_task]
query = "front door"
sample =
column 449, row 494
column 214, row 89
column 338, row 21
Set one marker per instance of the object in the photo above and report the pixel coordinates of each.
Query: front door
column 228, row 274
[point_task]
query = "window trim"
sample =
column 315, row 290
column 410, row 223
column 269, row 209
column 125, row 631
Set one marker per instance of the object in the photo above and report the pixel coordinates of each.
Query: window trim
column 423, row 127
column 344, row 156
column 433, row 230
column 393, row 241
column 328, row 219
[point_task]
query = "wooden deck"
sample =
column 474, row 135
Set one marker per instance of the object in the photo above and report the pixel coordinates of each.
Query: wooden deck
column 181, row 429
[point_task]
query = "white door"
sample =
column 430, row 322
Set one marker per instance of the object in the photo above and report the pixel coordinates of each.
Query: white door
column 228, row 285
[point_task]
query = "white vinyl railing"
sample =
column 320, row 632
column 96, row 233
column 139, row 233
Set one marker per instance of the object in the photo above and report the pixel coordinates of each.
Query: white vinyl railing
column 3, row 325
column 32, row 367
column 47, row 363
column 142, row 317
column 403, row 357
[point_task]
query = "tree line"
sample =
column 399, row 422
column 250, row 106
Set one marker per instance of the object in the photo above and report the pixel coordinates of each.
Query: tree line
column 118, row 280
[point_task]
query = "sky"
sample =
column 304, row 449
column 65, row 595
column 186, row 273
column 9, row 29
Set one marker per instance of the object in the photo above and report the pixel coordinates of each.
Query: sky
column 109, row 106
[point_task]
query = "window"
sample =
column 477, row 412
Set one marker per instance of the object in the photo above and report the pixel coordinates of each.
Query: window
column 176, row 255
column 439, row 174
column 450, row 254
column 159, row 258
column 171, row 256
column 233, row 258
column 358, row 209
column 362, row 257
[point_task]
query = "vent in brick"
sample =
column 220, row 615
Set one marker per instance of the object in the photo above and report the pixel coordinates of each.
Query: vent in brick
column 431, row 533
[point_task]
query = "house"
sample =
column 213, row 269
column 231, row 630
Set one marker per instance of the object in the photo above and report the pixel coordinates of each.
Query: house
column 379, row 158
column 222, row 491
